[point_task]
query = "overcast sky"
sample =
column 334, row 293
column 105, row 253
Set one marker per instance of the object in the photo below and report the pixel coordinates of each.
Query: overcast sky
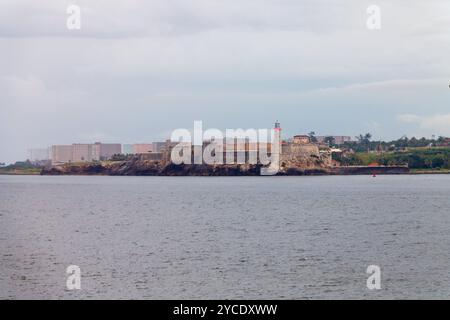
column 136, row 70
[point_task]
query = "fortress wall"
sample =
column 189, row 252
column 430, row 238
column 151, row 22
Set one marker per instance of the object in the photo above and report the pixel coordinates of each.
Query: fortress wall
column 363, row 170
column 298, row 151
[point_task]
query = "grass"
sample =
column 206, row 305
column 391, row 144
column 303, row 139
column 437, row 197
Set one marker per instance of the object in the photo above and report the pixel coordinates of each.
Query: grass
column 430, row 171
column 28, row 171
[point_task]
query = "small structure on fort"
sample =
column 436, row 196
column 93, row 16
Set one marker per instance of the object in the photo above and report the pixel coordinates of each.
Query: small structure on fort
column 301, row 139
column 300, row 152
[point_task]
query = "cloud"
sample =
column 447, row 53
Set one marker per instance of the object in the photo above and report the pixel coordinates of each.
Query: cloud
column 409, row 118
column 23, row 87
column 135, row 18
column 436, row 124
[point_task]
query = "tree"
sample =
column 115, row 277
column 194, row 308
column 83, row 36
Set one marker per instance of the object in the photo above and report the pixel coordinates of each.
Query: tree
column 364, row 140
column 329, row 140
column 312, row 136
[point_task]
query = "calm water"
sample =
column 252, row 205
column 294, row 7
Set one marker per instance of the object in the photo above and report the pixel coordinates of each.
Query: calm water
column 226, row 237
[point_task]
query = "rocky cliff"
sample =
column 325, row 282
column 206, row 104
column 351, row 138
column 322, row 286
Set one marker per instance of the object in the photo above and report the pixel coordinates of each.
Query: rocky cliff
column 137, row 167
column 160, row 168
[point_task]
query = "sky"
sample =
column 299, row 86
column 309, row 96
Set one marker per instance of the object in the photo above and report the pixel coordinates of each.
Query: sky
column 137, row 70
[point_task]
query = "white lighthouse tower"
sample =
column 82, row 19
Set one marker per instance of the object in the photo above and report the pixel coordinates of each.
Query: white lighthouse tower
column 277, row 144
column 275, row 157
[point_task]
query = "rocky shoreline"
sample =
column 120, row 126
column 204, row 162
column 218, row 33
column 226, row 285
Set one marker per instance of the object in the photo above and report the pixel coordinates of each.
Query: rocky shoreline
column 138, row 167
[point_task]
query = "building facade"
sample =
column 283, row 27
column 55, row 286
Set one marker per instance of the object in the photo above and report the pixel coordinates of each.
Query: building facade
column 106, row 150
column 62, row 154
column 301, row 139
column 159, row 146
column 337, row 139
column 84, row 152
column 141, row 148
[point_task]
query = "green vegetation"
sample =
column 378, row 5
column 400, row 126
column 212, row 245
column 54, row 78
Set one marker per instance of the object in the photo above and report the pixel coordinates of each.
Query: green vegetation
column 415, row 158
column 365, row 143
column 21, row 168
column 329, row 140
column 421, row 155
column 312, row 136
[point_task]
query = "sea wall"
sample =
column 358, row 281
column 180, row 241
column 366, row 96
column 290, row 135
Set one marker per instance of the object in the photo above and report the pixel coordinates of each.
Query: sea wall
column 363, row 170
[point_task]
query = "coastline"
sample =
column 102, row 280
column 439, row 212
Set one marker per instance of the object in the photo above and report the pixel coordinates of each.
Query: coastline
column 429, row 171
column 20, row 173
column 305, row 173
column 154, row 168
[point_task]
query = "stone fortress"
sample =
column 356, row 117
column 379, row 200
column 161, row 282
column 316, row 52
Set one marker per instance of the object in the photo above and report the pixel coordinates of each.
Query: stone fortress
column 298, row 152
column 297, row 156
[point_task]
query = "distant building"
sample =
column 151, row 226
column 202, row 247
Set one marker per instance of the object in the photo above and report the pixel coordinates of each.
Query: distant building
column 141, row 148
column 337, row 139
column 82, row 152
column 62, row 154
column 39, row 154
column 158, row 146
column 106, row 150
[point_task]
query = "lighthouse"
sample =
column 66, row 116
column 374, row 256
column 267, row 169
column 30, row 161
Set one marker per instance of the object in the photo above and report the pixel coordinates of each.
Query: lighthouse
column 277, row 138
column 276, row 147
column 275, row 151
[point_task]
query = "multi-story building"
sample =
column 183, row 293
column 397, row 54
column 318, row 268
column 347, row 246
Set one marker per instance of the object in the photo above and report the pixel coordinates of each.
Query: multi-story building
column 81, row 152
column 106, row 150
column 158, row 146
column 62, row 154
column 140, row 148
column 337, row 139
